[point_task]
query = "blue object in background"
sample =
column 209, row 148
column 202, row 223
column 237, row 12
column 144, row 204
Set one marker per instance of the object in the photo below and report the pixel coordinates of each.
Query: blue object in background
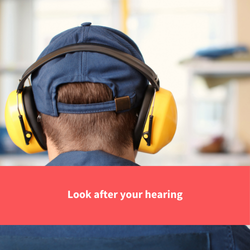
column 7, row 146
column 219, row 52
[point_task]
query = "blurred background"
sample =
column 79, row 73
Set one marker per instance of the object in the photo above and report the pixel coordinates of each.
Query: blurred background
column 192, row 45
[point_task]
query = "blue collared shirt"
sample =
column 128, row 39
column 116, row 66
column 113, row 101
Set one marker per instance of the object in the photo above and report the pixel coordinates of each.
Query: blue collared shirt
column 89, row 158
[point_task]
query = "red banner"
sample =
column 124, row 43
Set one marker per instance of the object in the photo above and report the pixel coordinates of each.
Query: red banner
column 124, row 195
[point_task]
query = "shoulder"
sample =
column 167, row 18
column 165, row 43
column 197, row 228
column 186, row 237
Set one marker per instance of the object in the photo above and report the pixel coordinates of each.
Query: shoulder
column 241, row 235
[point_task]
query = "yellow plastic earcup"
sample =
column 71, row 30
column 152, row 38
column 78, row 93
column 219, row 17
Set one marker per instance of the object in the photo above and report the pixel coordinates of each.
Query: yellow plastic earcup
column 14, row 127
column 164, row 122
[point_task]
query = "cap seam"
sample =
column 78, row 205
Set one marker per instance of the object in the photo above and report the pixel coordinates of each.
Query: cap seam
column 82, row 54
column 86, row 54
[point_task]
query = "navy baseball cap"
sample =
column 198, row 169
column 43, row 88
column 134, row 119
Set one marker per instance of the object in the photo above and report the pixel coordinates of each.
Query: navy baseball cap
column 94, row 67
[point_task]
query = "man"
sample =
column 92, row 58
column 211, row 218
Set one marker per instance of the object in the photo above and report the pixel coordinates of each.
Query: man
column 74, row 94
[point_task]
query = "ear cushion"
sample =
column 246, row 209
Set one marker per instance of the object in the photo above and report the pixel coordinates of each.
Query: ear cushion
column 31, row 115
column 143, row 115
column 162, row 123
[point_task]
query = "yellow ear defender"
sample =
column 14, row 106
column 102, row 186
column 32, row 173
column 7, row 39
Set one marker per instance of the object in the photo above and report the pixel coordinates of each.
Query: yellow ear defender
column 21, row 123
column 160, row 124
column 157, row 119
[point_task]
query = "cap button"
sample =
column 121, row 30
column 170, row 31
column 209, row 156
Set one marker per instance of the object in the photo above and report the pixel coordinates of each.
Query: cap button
column 86, row 24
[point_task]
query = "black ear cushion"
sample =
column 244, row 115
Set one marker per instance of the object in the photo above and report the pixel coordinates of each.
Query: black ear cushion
column 31, row 115
column 143, row 115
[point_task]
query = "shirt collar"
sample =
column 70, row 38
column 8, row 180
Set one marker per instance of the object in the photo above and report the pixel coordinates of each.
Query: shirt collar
column 89, row 158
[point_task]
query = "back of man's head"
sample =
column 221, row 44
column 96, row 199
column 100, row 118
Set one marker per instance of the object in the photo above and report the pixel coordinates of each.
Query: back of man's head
column 107, row 131
column 76, row 93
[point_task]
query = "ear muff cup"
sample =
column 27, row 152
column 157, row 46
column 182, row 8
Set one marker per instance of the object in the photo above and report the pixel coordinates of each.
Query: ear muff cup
column 31, row 114
column 142, row 118
column 37, row 142
column 164, row 120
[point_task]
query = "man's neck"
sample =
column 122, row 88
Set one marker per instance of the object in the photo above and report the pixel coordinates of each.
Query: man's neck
column 128, row 153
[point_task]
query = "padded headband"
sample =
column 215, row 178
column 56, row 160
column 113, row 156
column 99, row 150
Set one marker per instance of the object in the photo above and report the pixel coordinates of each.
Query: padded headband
column 122, row 56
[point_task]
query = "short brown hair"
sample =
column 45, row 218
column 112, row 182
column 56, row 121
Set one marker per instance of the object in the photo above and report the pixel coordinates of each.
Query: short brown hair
column 107, row 131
